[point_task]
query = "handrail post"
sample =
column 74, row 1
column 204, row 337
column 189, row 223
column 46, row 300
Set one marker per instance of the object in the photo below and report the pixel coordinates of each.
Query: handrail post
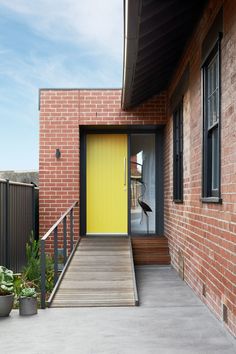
column 71, row 230
column 43, row 275
column 55, row 255
column 64, row 240
column 33, row 211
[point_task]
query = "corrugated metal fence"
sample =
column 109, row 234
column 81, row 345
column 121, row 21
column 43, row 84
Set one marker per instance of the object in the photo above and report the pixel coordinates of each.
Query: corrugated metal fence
column 18, row 218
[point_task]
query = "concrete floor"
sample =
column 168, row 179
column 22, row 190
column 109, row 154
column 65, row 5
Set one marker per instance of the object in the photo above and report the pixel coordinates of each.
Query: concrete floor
column 170, row 319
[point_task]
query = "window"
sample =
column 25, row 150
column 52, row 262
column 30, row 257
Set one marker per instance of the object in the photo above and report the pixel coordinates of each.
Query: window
column 143, row 183
column 178, row 153
column 211, row 125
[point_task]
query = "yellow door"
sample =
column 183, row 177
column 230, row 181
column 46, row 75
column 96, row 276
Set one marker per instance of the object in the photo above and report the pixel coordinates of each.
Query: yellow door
column 106, row 184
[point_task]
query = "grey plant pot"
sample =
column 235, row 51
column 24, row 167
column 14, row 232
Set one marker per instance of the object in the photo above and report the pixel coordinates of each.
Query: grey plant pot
column 28, row 306
column 6, row 304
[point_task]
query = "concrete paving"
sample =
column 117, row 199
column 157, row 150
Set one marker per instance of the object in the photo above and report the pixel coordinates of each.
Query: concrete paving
column 169, row 320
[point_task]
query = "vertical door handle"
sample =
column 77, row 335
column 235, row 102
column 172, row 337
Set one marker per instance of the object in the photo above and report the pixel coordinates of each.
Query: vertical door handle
column 124, row 171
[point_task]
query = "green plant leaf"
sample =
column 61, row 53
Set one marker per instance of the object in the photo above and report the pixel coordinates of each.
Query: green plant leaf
column 32, row 271
column 28, row 292
column 6, row 281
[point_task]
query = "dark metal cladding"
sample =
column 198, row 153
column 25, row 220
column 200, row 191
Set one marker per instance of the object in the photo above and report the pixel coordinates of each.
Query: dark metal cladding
column 17, row 221
column 2, row 223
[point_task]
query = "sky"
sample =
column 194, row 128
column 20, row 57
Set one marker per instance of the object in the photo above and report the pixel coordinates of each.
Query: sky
column 51, row 44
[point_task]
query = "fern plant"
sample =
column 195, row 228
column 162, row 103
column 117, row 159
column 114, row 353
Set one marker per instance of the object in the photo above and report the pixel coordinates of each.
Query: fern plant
column 32, row 270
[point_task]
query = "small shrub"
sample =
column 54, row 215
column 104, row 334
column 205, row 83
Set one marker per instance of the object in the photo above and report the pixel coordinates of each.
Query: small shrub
column 32, row 270
column 6, row 281
column 49, row 274
column 28, row 292
column 18, row 284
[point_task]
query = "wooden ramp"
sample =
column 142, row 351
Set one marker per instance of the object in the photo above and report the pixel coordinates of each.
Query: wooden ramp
column 101, row 273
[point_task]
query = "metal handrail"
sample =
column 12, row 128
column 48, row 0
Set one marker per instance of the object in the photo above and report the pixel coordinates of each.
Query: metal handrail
column 54, row 230
column 53, row 293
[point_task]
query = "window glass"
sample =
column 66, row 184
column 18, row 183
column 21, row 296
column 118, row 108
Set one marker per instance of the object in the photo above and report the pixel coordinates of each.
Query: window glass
column 178, row 153
column 211, row 122
column 215, row 160
column 143, row 183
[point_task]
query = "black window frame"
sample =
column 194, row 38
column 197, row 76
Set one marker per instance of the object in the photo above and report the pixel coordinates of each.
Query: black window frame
column 178, row 153
column 209, row 193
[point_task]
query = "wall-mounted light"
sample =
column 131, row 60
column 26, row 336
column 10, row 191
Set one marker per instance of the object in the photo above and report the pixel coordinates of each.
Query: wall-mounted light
column 58, row 153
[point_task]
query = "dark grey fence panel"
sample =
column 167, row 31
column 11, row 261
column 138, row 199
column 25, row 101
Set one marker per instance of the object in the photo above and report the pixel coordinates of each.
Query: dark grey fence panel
column 36, row 214
column 3, row 223
column 18, row 217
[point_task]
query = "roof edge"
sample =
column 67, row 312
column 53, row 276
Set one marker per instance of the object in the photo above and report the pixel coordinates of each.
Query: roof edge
column 131, row 35
column 80, row 89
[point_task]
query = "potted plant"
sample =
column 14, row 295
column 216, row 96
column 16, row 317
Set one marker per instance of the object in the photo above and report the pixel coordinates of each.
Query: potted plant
column 6, row 291
column 28, row 302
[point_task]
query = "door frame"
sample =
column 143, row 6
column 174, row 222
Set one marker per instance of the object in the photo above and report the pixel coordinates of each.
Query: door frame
column 137, row 129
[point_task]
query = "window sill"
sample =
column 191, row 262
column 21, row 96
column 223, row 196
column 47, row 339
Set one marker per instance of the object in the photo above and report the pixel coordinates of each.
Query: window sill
column 178, row 201
column 215, row 200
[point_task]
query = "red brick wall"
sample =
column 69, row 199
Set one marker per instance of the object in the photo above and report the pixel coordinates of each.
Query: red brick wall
column 62, row 112
column 206, row 233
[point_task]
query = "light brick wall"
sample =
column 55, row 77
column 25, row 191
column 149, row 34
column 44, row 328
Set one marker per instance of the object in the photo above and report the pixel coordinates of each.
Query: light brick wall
column 206, row 233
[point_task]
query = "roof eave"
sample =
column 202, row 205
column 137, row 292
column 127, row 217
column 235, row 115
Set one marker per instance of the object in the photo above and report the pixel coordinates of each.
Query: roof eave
column 131, row 34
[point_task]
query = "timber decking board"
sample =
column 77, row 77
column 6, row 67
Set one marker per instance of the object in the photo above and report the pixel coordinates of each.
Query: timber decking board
column 150, row 250
column 99, row 274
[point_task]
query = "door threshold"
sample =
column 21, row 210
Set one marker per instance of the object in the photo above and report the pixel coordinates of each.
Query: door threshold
column 106, row 234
